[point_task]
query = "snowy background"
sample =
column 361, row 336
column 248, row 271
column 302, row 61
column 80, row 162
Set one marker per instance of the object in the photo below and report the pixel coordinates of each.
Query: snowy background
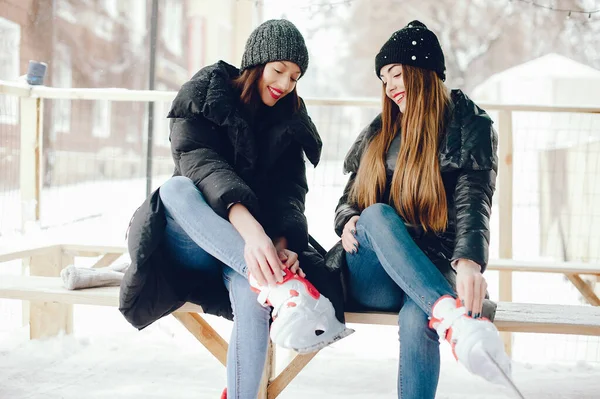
column 108, row 358
column 94, row 167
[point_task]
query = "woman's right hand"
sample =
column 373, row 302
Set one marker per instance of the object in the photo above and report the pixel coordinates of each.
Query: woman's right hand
column 349, row 241
column 262, row 260
column 259, row 252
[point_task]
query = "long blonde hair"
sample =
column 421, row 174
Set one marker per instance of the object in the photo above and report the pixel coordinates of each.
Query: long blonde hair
column 417, row 191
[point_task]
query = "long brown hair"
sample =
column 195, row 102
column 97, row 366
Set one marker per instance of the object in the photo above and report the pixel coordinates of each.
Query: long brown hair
column 417, row 191
column 247, row 84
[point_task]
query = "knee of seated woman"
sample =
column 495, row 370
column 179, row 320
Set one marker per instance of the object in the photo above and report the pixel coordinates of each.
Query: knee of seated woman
column 174, row 185
column 414, row 321
column 376, row 212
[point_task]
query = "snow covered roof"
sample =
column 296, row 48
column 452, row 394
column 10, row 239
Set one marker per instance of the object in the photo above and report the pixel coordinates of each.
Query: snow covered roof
column 550, row 65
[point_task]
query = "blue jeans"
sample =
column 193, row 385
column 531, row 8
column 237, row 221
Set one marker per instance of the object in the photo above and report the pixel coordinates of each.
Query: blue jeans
column 199, row 239
column 389, row 272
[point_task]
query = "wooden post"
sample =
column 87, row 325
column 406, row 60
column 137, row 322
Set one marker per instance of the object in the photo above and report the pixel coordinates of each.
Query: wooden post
column 32, row 111
column 505, row 179
column 48, row 319
column 268, row 372
column 30, row 184
column 204, row 333
column 24, row 304
column 585, row 288
column 278, row 384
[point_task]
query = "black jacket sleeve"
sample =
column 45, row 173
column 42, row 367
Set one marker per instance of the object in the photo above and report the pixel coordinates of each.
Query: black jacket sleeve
column 475, row 187
column 473, row 202
column 285, row 202
column 197, row 147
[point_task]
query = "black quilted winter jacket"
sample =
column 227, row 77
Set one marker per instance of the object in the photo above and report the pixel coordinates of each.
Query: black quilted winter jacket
column 231, row 157
column 469, row 163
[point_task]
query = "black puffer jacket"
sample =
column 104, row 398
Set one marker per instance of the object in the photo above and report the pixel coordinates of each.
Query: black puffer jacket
column 469, row 163
column 231, row 158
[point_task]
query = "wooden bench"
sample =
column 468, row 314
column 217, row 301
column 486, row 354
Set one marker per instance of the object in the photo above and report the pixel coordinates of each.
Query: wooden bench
column 51, row 307
column 572, row 270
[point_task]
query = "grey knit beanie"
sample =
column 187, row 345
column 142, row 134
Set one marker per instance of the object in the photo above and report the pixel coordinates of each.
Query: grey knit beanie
column 275, row 40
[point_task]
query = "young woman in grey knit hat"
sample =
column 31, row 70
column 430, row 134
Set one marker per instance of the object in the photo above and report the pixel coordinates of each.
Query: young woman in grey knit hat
column 414, row 217
column 228, row 231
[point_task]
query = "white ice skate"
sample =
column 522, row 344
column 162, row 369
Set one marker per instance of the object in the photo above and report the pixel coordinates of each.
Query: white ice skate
column 475, row 343
column 303, row 319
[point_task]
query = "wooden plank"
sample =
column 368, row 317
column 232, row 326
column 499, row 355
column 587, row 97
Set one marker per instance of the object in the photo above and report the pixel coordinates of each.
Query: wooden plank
column 107, row 260
column 551, row 319
column 92, row 250
column 539, row 266
column 15, row 88
column 205, row 334
column 190, row 308
column 21, row 90
column 509, row 316
column 111, row 94
column 585, row 289
column 47, row 319
column 539, row 108
column 286, row 376
column 51, row 289
column 383, row 319
column 544, row 266
column 7, row 256
column 519, row 317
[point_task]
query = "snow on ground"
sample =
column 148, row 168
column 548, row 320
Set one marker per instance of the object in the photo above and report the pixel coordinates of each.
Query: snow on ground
column 106, row 358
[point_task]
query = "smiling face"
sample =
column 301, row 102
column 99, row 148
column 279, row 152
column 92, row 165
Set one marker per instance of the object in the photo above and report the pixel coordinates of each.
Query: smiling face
column 278, row 80
column 391, row 76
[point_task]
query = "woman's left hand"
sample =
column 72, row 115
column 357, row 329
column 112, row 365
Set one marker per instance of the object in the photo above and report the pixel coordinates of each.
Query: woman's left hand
column 471, row 286
column 287, row 257
column 290, row 260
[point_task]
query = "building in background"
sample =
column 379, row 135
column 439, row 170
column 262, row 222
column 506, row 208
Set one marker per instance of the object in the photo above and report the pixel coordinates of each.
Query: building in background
column 105, row 43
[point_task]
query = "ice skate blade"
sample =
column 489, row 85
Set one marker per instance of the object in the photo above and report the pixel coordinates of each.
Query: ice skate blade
column 509, row 381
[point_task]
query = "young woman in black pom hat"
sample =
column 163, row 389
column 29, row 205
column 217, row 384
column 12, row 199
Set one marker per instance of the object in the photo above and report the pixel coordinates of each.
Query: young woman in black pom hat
column 414, row 217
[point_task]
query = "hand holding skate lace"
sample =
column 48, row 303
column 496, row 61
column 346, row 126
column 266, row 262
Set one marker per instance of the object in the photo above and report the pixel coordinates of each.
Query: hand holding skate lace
column 470, row 286
column 262, row 260
column 291, row 262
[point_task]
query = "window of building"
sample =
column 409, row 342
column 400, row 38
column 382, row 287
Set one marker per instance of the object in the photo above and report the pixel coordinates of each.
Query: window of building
column 62, row 76
column 138, row 15
column 101, row 118
column 172, row 26
column 65, row 10
column 10, row 44
column 112, row 7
